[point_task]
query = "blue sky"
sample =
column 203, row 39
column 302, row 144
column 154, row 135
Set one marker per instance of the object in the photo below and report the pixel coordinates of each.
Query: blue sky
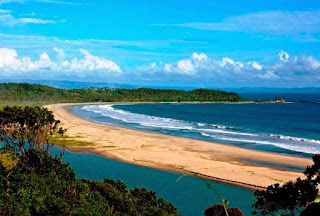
column 170, row 43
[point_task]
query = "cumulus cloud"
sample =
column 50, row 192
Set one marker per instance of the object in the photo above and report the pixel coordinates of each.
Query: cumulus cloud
column 184, row 66
column 11, row 64
column 199, row 57
column 201, row 63
column 60, row 53
column 296, row 66
column 283, row 56
column 202, row 68
column 199, row 68
column 255, row 65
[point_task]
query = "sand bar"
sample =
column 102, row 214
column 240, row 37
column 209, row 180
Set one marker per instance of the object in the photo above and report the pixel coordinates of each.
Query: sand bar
column 184, row 155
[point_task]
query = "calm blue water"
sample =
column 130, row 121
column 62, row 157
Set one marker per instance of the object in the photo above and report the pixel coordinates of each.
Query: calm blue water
column 190, row 195
column 290, row 128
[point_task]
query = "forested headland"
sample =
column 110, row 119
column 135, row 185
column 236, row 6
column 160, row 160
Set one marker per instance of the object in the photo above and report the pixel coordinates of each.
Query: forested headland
column 41, row 94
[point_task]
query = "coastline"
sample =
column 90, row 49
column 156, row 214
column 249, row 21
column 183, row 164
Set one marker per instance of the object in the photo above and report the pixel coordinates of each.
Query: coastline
column 188, row 156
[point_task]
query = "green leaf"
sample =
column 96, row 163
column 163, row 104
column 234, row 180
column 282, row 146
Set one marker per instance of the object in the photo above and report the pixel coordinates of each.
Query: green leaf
column 317, row 200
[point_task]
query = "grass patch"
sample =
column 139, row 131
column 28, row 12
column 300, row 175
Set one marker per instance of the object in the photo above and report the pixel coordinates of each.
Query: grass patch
column 8, row 161
column 22, row 103
column 70, row 141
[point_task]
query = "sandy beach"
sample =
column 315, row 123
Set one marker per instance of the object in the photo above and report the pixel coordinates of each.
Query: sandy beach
column 211, row 160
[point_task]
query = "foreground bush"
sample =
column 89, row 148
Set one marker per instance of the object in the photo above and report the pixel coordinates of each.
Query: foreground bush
column 290, row 197
column 32, row 182
column 218, row 210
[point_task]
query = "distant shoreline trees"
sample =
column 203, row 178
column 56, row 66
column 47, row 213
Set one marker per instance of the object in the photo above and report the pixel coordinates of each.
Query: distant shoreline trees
column 41, row 93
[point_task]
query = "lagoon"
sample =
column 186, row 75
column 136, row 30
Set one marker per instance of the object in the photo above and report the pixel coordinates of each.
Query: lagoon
column 190, row 194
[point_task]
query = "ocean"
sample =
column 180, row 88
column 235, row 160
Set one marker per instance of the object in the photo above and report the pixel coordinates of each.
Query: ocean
column 289, row 128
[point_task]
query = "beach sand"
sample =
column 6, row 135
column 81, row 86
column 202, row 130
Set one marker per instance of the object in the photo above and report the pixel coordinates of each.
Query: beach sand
column 211, row 160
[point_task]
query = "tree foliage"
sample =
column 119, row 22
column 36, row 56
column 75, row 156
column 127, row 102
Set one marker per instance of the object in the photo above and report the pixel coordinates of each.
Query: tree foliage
column 291, row 196
column 218, row 210
column 39, row 184
column 28, row 127
column 40, row 93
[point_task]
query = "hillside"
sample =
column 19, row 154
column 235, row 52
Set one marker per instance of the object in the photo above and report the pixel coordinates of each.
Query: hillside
column 23, row 92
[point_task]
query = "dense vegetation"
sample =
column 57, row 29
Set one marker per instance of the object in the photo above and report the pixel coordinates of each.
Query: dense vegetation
column 291, row 197
column 12, row 92
column 32, row 182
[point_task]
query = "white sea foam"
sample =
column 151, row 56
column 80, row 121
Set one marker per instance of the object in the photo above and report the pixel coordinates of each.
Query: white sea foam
column 294, row 138
column 308, row 148
column 201, row 124
column 144, row 120
column 227, row 132
column 216, row 126
column 221, row 126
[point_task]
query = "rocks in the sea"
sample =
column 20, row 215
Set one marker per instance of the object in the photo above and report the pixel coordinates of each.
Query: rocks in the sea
column 218, row 210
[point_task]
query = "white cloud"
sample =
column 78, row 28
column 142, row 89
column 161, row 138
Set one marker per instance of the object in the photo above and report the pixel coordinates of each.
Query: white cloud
column 199, row 57
column 44, row 1
column 10, row 1
column 197, row 69
column 184, row 66
column 60, row 2
column 226, row 61
column 283, row 56
column 202, row 67
column 7, row 19
column 36, row 21
column 255, row 65
column 272, row 22
column 269, row 75
column 296, row 66
column 11, row 64
column 60, row 52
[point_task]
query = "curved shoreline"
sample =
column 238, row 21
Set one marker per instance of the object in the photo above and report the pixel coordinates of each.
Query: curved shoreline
column 195, row 157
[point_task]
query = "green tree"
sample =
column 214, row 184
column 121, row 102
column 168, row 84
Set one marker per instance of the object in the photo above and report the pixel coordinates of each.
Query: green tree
column 291, row 196
column 28, row 128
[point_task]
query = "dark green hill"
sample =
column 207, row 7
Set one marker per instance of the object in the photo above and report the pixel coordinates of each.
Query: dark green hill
column 23, row 92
